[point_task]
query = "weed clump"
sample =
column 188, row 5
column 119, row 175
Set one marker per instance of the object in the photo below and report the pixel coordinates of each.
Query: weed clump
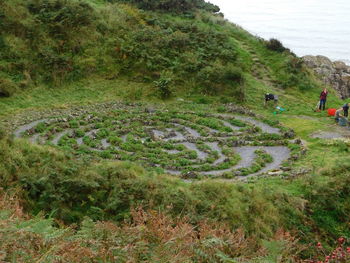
column 174, row 6
column 163, row 86
column 218, row 78
column 7, row 87
column 275, row 45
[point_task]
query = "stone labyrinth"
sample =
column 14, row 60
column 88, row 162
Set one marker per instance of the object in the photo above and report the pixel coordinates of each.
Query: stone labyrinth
column 187, row 144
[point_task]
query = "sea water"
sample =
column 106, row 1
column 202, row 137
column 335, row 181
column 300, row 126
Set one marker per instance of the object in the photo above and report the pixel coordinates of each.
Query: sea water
column 307, row 27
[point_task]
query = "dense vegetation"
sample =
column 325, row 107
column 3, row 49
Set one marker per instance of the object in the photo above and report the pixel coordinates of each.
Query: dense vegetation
column 54, row 42
column 173, row 6
column 150, row 237
column 55, row 207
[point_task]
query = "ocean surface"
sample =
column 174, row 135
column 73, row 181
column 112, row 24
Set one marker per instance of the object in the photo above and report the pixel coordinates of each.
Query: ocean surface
column 307, row 27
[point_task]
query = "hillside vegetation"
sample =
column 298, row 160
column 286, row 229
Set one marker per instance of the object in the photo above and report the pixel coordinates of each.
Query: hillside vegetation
column 181, row 45
column 58, row 205
column 74, row 192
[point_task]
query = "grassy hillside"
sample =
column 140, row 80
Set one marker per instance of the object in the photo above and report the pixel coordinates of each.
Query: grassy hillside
column 170, row 54
column 194, row 50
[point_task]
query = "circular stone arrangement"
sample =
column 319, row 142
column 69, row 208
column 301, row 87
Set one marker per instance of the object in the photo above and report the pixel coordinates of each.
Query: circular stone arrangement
column 188, row 144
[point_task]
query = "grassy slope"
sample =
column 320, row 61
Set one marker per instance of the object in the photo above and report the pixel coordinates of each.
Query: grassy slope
column 232, row 205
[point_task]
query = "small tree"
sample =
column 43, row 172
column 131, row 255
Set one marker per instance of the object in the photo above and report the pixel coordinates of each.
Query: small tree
column 163, row 85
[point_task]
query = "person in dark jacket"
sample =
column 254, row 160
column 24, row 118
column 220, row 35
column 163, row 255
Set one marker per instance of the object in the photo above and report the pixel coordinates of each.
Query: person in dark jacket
column 323, row 99
column 346, row 109
column 269, row 97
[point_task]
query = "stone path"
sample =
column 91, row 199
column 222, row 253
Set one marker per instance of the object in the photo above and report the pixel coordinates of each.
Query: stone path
column 327, row 135
column 209, row 147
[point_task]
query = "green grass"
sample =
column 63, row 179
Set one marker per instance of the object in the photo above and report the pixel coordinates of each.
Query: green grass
column 53, row 181
column 78, row 93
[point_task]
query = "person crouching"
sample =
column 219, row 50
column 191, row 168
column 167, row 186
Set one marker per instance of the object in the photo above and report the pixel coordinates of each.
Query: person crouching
column 339, row 114
column 270, row 97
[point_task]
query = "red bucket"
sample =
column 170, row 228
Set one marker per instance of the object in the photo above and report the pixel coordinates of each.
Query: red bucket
column 331, row 112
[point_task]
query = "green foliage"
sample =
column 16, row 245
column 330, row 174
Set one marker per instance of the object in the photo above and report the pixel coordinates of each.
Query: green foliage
column 237, row 123
column 55, row 42
column 7, row 87
column 163, row 86
column 144, row 238
column 174, row 6
column 40, row 127
column 275, row 45
column 61, row 41
column 71, row 189
column 292, row 74
column 64, row 41
column 218, row 78
column 2, row 133
column 61, row 16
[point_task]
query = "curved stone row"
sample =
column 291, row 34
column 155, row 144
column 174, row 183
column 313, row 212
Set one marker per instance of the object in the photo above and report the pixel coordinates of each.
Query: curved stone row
column 189, row 144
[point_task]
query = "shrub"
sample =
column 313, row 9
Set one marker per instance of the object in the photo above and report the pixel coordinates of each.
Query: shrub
column 2, row 132
column 7, row 87
column 176, row 6
column 275, row 45
column 62, row 16
column 2, row 40
column 147, row 237
column 217, row 78
column 163, row 86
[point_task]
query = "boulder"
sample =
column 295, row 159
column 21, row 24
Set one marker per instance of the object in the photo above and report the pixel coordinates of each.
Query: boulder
column 275, row 173
column 190, row 175
column 335, row 74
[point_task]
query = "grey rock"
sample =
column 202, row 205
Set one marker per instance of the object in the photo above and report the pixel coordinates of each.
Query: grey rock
column 275, row 173
column 298, row 141
column 238, row 173
column 150, row 110
column 335, row 74
column 289, row 134
column 190, row 175
column 233, row 108
column 286, row 169
column 295, row 157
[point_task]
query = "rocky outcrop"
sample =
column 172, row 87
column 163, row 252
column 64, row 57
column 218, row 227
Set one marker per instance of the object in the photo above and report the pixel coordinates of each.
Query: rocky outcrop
column 336, row 74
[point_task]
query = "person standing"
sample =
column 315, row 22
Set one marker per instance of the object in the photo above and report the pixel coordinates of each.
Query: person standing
column 323, row 99
column 346, row 109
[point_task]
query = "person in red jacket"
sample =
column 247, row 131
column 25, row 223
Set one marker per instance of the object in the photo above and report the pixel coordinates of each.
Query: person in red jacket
column 323, row 99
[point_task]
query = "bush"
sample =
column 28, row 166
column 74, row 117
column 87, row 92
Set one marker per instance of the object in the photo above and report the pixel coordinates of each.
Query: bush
column 275, row 45
column 2, row 132
column 7, row 87
column 163, row 86
column 216, row 79
column 177, row 6
column 62, row 16
column 147, row 237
